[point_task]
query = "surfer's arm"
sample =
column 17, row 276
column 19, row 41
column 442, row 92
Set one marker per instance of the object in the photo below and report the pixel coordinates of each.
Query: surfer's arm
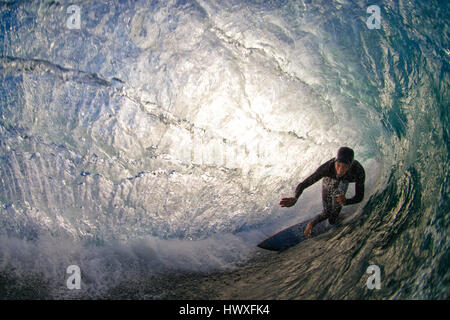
column 359, row 191
column 316, row 176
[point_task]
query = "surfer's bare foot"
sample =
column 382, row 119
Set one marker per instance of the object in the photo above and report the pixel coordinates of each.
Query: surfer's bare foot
column 308, row 230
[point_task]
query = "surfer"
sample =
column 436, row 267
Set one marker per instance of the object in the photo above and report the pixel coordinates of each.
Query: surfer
column 337, row 173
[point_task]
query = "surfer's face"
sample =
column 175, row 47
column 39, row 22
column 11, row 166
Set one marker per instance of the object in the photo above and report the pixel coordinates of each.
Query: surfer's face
column 341, row 168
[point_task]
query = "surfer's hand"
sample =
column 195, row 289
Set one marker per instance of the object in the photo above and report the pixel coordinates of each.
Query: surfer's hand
column 341, row 199
column 288, row 202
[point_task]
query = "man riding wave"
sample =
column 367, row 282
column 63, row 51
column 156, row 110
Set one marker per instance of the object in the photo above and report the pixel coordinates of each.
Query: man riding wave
column 337, row 173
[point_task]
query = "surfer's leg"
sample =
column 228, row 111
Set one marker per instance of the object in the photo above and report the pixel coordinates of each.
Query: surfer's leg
column 319, row 218
column 334, row 216
column 336, row 188
column 327, row 202
column 331, row 208
column 326, row 208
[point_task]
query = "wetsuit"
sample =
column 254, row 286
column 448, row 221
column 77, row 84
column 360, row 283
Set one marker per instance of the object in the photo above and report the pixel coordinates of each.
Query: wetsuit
column 332, row 186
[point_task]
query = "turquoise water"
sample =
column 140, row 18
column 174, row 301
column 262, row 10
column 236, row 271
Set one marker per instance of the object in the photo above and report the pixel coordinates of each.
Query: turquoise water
column 157, row 138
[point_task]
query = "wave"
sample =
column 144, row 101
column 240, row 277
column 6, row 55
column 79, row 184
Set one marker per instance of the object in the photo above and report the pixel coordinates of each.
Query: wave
column 159, row 137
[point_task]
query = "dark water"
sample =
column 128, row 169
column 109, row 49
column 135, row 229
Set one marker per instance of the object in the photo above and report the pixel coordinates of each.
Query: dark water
column 149, row 143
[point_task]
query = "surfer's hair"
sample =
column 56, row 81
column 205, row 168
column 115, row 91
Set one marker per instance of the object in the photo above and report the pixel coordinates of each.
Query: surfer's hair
column 345, row 155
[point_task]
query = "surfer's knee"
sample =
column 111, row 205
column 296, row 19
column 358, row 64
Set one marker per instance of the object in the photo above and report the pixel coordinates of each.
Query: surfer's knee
column 333, row 219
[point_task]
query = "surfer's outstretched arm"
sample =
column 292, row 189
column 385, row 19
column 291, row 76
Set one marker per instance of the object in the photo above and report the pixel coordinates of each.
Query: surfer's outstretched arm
column 316, row 176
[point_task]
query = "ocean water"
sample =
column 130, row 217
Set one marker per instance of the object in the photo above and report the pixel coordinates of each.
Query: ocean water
column 150, row 142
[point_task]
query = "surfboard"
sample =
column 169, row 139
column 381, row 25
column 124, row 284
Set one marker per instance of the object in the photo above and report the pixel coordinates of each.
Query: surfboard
column 292, row 236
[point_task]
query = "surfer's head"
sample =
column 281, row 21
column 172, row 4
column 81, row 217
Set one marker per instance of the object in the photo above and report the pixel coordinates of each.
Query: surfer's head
column 344, row 160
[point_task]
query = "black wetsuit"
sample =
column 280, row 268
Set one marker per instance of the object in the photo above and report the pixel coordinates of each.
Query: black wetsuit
column 332, row 186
